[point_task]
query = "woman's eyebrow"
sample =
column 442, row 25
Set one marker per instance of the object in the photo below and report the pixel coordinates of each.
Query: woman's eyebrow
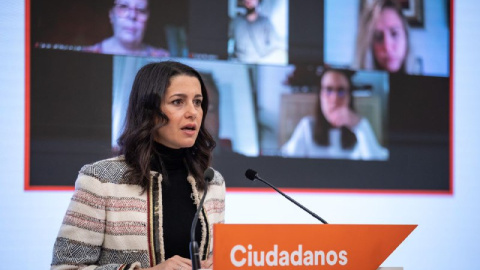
column 185, row 95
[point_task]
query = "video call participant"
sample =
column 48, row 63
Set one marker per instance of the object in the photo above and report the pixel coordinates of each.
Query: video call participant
column 253, row 35
column 336, row 131
column 135, row 211
column 129, row 21
column 383, row 39
column 212, row 121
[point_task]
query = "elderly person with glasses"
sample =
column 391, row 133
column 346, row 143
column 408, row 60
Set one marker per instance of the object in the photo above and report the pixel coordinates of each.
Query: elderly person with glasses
column 129, row 21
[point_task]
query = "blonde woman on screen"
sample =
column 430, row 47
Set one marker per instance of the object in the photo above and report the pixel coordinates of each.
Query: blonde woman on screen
column 383, row 40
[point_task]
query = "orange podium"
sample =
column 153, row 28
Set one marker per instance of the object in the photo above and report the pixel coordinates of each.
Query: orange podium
column 302, row 246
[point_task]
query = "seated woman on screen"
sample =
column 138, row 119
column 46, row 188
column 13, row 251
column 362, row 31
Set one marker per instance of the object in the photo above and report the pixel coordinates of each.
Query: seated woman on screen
column 383, row 40
column 135, row 211
column 129, row 21
column 336, row 131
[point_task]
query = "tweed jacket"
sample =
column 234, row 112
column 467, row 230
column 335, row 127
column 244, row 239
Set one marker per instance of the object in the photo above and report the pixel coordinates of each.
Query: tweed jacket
column 110, row 224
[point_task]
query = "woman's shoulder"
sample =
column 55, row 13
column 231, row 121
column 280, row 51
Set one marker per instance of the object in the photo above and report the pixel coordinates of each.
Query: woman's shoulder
column 95, row 48
column 306, row 122
column 307, row 119
column 156, row 52
column 217, row 178
column 362, row 125
column 108, row 170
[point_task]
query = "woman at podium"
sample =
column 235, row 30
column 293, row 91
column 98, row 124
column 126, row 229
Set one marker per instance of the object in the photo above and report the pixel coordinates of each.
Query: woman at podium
column 135, row 211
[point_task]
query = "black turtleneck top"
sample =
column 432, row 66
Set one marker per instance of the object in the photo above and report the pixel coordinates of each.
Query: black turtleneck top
column 177, row 201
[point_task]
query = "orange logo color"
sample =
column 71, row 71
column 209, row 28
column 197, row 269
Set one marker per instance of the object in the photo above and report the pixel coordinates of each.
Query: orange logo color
column 329, row 246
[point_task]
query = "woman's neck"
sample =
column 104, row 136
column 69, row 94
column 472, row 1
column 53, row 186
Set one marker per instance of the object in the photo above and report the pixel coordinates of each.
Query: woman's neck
column 172, row 159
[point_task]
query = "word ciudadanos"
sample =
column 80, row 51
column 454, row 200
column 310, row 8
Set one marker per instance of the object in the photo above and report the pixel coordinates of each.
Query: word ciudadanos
column 241, row 256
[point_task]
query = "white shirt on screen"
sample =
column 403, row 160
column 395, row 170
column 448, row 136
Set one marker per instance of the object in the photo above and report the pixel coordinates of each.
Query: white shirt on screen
column 302, row 145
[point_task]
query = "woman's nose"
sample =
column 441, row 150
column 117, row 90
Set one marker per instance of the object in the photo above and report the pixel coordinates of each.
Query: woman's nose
column 388, row 43
column 191, row 111
column 335, row 98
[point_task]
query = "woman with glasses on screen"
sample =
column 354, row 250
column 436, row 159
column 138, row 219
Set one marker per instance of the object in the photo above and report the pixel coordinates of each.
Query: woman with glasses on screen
column 336, row 131
column 129, row 21
column 383, row 39
column 135, row 211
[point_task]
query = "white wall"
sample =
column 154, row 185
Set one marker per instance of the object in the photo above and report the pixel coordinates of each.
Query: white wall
column 448, row 235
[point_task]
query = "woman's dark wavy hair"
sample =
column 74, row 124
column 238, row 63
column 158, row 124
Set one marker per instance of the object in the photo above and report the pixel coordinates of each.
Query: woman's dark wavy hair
column 144, row 118
column 322, row 126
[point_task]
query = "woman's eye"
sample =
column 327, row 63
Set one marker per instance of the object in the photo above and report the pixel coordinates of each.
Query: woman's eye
column 197, row 102
column 378, row 37
column 177, row 102
column 394, row 33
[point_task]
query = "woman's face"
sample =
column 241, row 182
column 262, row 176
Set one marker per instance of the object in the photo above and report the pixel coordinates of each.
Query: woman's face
column 389, row 41
column 129, row 19
column 334, row 93
column 182, row 106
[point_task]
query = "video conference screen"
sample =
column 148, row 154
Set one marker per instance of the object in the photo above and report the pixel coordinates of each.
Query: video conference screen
column 316, row 94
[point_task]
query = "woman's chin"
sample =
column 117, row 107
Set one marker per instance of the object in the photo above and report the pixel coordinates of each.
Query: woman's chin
column 332, row 124
column 392, row 66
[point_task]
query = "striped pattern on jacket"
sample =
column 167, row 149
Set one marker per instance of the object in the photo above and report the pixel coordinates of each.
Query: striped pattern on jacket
column 110, row 224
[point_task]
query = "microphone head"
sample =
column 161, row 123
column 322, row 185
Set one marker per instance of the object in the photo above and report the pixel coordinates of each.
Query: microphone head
column 208, row 175
column 251, row 174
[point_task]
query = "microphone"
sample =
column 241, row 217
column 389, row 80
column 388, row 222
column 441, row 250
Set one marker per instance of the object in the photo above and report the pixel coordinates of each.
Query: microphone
column 194, row 251
column 253, row 175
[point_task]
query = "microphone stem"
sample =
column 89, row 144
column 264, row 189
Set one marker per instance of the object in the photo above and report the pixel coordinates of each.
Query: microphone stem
column 194, row 250
column 199, row 209
column 293, row 201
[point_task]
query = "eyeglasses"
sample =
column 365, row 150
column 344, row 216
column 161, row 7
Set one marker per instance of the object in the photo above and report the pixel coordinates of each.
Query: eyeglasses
column 123, row 11
column 341, row 92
